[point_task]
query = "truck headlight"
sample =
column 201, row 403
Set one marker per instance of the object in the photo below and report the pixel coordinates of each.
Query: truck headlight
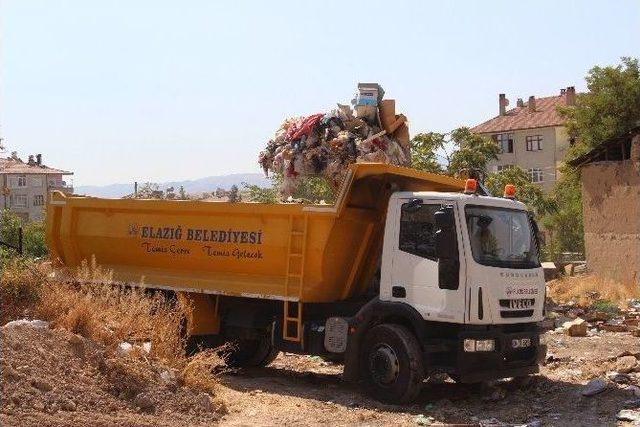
column 471, row 345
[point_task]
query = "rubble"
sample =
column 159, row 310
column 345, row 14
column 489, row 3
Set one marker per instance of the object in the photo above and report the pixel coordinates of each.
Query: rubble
column 325, row 144
column 629, row 415
column 595, row 386
column 626, row 364
column 27, row 323
column 576, row 328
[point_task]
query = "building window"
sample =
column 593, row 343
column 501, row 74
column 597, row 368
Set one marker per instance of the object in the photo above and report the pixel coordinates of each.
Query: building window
column 536, row 175
column 38, row 200
column 17, row 181
column 534, row 142
column 36, row 181
column 501, row 168
column 505, row 142
column 18, row 200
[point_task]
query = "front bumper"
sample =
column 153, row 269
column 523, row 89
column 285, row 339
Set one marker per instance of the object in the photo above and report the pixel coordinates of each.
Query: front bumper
column 506, row 361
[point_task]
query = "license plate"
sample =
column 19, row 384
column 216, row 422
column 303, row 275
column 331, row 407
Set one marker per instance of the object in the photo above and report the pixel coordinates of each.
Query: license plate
column 521, row 342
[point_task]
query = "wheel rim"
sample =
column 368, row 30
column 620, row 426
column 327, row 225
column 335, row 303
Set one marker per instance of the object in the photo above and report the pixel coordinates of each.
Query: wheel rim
column 383, row 365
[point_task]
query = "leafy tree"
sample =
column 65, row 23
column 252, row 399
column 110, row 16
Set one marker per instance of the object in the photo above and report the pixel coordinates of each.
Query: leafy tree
column 182, row 194
column 33, row 236
column 234, row 194
column 260, row 194
column 315, row 189
column 310, row 189
column 423, row 151
column 148, row 190
column 473, row 151
column 470, row 151
column 564, row 220
column 527, row 192
column 33, row 239
column 610, row 107
column 9, row 227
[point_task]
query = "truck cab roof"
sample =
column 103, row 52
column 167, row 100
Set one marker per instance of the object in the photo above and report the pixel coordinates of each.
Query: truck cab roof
column 472, row 199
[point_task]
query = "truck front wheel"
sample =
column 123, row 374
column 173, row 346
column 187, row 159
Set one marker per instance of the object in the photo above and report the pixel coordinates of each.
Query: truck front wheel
column 249, row 353
column 391, row 364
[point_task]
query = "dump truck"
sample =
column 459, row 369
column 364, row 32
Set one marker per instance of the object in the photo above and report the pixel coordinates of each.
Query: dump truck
column 406, row 275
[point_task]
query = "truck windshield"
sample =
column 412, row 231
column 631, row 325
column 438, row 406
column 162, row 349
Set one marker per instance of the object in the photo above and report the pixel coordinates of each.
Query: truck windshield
column 501, row 237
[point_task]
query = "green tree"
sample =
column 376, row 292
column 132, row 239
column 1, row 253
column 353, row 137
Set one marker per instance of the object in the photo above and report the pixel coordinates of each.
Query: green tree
column 33, row 241
column 33, row 236
column 473, row 151
column 526, row 192
column 610, row 107
column 310, row 190
column 423, row 151
column 469, row 151
column 564, row 220
column 261, row 194
column 9, row 227
column 234, row 194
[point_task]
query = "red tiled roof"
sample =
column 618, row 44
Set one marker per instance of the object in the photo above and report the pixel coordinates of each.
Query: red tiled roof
column 545, row 115
column 16, row 166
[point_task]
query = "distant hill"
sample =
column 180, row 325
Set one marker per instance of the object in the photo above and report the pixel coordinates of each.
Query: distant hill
column 194, row 186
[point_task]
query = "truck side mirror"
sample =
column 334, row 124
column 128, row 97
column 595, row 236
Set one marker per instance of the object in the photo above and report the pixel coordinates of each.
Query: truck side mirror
column 412, row 206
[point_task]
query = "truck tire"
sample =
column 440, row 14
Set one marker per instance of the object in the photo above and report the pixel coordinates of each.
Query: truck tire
column 391, row 364
column 250, row 353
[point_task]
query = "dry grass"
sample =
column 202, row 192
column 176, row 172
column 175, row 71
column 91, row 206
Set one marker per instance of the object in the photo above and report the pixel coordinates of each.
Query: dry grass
column 586, row 290
column 87, row 302
column 20, row 287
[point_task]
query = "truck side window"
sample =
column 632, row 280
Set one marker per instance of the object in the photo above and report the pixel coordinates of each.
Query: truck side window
column 418, row 230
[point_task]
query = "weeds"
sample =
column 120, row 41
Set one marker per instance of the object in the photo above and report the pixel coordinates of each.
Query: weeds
column 88, row 303
column 589, row 290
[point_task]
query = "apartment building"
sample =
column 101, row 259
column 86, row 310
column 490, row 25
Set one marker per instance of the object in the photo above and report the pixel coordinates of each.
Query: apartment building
column 531, row 136
column 26, row 185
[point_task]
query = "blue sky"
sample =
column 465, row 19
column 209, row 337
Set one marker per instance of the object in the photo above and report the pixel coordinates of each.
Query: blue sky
column 118, row 91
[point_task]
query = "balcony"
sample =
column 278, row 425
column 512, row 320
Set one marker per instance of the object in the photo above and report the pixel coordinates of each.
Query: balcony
column 61, row 186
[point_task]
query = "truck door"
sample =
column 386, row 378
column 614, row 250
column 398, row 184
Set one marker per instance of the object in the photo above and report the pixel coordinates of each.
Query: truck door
column 415, row 266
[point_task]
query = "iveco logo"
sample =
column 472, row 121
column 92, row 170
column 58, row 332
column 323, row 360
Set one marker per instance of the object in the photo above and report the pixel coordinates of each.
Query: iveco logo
column 520, row 303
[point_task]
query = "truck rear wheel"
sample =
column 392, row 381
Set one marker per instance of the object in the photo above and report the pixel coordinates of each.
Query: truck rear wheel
column 391, row 364
column 250, row 353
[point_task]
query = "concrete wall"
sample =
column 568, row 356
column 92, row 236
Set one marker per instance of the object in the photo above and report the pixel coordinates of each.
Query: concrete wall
column 611, row 203
column 554, row 146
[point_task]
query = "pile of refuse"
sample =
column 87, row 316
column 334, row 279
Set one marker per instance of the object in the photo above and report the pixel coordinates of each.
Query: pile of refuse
column 325, row 144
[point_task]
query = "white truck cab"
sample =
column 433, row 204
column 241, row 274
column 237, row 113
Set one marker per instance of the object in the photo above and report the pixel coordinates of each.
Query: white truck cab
column 493, row 275
column 461, row 273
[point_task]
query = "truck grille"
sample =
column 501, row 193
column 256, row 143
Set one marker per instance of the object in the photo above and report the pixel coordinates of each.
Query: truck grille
column 511, row 314
column 517, row 304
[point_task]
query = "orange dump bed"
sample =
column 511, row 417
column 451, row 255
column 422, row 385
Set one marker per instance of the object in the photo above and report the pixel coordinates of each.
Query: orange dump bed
column 308, row 253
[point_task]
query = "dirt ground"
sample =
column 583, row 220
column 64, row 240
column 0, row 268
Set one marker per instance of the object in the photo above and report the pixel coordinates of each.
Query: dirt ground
column 43, row 370
column 300, row 390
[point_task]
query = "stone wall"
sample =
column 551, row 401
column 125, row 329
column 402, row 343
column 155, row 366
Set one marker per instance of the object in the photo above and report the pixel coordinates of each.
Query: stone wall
column 611, row 202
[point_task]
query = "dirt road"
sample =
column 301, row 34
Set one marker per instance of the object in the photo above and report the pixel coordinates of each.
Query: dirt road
column 299, row 390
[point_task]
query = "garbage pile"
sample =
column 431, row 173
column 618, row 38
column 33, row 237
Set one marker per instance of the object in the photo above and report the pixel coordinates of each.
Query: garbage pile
column 325, row 144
